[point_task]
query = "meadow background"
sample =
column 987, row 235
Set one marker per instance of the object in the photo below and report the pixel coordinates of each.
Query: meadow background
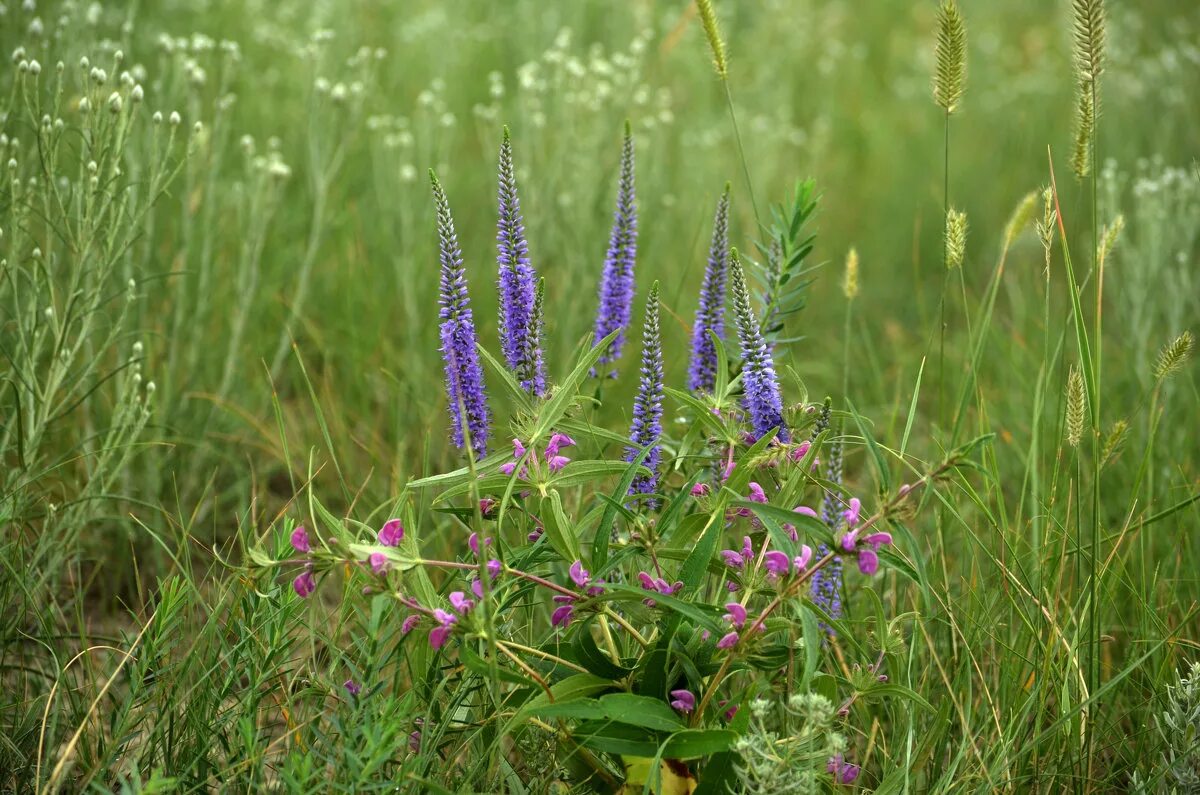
column 263, row 321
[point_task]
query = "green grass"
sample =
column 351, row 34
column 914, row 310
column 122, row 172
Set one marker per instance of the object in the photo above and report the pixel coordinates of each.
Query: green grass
column 273, row 273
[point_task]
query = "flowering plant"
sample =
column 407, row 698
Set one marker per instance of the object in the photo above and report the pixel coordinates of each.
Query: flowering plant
column 622, row 599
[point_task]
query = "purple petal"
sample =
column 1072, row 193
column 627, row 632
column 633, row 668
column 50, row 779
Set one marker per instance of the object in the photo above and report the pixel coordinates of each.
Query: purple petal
column 736, row 615
column 562, row 616
column 729, row 641
column 304, row 584
column 300, row 541
column 868, row 561
column 579, row 574
column 391, row 533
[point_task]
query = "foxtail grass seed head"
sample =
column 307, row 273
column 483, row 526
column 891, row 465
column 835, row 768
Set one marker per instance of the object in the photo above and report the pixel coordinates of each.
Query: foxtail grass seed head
column 1114, row 441
column 617, row 281
column 956, row 238
column 710, row 316
column 1020, row 218
column 1108, row 240
column 712, row 32
column 1085, row 127
column 1047, row 224
column 648, row 405
column 950, row 74
column 1172, row 357
column 760, row 385
column 1076, row 407
column 1089, row 39
column 850, row 280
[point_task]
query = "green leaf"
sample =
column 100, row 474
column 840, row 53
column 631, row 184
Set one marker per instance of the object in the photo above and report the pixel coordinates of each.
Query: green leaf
column 580, row 472
column 618, row 738
column 702, row 413
column 644, row 711
column 604, row 529
column 901, row 691
column 554, row 408
column 696, row 743
column 588, row 654
column 559, row 531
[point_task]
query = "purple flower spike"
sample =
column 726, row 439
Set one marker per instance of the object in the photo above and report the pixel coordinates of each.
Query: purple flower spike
column 683, row 700
column 736, row 614
column 352, row 687
column 710, row 316
column 562, row 615
column 391, row 533
column 379, row 562
column 827, row 581
column 759, row 384
column 579, row 574
column 304, row 584
column 729, row 641
column 518, row 284
column 616, row 284
column 647, row 406
column 300, row 541
column 777, row 563
column 464, row 376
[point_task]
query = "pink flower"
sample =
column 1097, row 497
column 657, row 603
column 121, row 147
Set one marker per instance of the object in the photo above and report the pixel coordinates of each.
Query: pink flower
column 683, row 700
column 562, row 615
column 804, row 510
column 304, row 584
column 736, row 614
column 727, row 471
column 851, row 513
column 558, row 440
column 391, row 533
column 868, row 561
column 438, row 636
column 410, row 623
column 800, row 450
column 352, row 687
column 732, row 559
column 843, row 772
column 700, row 490
column 473, row 542
column 518, row 448
column 300, row 541
column 557, row 462
column 729, row 641
column 756, row 493
column 477, row 588
column 801, row 560
column 493, row 567
column 508, row 466
column 776, row 563
column 579, row 574
column 378, row 561
column 460, row 602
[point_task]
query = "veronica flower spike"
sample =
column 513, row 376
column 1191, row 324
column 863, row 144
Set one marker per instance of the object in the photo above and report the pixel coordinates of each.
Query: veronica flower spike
column 517, row 282
column 616, row 283
column 646, row 429
column 710, row 316
column 760, row 386
column 464, row 375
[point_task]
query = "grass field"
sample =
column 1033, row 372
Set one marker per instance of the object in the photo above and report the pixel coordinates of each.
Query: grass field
column 219, row 321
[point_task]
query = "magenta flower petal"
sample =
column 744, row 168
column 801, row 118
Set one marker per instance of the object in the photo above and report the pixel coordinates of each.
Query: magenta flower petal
column 410, row 623
column 729, row 641
column 352, row 687
column 736, row 614
column 804, row 510
column 493, row 567
column 646, row 580
column 878, row 539
column 756, row 493
column 777, row 563
column 850, row 540
column 800, row 450
column 304, row 584
column 477, row 588
column 300, row 541
column 378, row 561
column 579, row 574
column 557, row 462
column 851, row 513
column 700, row 490
column 683, row 700
column 562, row 616
column 868, row 561
column 747, row 548
column 391, row 533
column 460, row 602
column 439, row 635
column 803, row 558
column 732, row 559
